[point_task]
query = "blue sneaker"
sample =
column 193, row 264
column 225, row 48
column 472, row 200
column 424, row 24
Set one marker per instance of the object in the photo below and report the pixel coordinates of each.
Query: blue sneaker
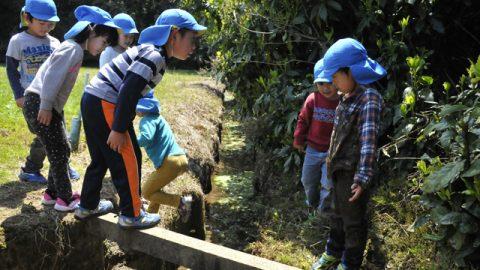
column 74, row 175
column 36, row 177
column 143, row 221
column 103, row 208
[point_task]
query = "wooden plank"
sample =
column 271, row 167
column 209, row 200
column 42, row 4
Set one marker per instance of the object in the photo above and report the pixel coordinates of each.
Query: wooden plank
column 178, row 248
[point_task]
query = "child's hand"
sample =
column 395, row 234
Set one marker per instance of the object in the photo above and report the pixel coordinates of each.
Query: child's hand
column 20, row 102
column 357, row 190
column 116, row 140
column 44, row 117
column 299, row 147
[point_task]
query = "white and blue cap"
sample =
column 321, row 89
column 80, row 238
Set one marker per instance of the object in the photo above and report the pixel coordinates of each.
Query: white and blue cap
column 318, row 73
column 148, row 104
column 158, row 34
column 87, row 15
column 350, row 53
column 44, row 10
column 126, row 23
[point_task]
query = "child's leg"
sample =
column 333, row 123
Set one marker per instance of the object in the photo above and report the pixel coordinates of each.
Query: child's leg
column 96, row 131
column 326, row 200
column 172, row 167
column 124, row 166
column 54, row 138
column 37, row 154
column 353, row 216
column 311, row 174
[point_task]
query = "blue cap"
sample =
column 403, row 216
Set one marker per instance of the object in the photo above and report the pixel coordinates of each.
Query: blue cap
column 87, row 15
column 350, row 53
column 318, row 74
column 126, row 23
column 179, row 18
column 158, row 34
column 44, row 10
column 148, row 104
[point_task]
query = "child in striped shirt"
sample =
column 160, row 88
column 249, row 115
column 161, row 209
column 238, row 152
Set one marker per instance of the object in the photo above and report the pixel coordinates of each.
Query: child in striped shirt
column 108, row 109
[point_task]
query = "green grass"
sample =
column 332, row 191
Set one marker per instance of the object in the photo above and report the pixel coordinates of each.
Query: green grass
column 15, row 137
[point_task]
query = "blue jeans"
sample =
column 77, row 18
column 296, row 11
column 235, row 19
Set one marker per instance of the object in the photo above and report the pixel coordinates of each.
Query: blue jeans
column 315, row 181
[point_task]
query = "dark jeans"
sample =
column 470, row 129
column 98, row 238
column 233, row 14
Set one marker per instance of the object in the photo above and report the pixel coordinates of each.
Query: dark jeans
column 54, row 138
column 34, row 162
column 348, row 224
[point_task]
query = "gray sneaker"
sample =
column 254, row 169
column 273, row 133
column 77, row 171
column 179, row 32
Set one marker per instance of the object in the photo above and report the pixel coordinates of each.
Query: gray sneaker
column 143, row 221
column 103, row 208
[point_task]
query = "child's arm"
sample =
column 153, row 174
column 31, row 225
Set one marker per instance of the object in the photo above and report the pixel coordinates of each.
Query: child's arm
column 369, row 124
column 12, row 59
column 62, row 61
column 139, row 74
column 14, row 79
column 303, row 123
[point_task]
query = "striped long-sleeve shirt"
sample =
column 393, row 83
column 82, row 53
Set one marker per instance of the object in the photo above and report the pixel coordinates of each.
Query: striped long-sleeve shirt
column 126, row 79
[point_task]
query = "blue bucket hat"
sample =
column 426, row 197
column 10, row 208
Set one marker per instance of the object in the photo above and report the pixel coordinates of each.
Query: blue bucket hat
column 126, row 23
column 158, row 34
column 44, row 10
column 87, row 15
column 350, row 53
column 148, row 104
column 318, row 74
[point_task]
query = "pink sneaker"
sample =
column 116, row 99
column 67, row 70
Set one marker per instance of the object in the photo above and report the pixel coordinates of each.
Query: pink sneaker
column 48, row 198
column 63, row 206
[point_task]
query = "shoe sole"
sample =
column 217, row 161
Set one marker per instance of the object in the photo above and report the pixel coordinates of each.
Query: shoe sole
column 31, row 181
column 63, row 208
column 49, row 203
column 91, row 216
column 137, row 227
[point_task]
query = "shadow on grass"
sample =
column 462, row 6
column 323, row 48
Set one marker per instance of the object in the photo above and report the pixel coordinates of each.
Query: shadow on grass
column 14, row 192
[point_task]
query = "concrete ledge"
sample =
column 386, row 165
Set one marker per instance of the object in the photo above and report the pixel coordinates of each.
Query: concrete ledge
column 178, row 248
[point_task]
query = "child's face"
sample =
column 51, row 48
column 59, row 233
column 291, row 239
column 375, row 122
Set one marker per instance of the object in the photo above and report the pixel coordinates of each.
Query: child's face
column 125, row 40
column 140, row 114
column 184, row 46
column 327, row 90
column 344, row 82
column 96, row 44
column 39, row 28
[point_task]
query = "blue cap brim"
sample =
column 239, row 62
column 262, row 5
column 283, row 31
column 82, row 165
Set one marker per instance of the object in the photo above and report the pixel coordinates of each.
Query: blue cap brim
column 80, row 25
column 45, row 17
column 367, row 72
column 156, row 35
column 323, row 80
column 130, row 31
column 199, row 28
column 76, row 29
column 364, row 72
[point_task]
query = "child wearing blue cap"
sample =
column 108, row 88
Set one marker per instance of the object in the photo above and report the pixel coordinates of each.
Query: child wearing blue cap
column 312, row 136
column 126, row 35
column 169, row 159
column 352, row 153
column 108, row 109
column 26, row 52
column 46, row 96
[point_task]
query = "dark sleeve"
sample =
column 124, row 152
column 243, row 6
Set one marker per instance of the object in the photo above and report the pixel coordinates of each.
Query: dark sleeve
column 130, row 92
column 14, row 77
column 304, row 119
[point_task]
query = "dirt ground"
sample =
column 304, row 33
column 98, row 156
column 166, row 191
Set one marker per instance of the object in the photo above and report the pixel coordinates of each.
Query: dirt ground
column 36, row 237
